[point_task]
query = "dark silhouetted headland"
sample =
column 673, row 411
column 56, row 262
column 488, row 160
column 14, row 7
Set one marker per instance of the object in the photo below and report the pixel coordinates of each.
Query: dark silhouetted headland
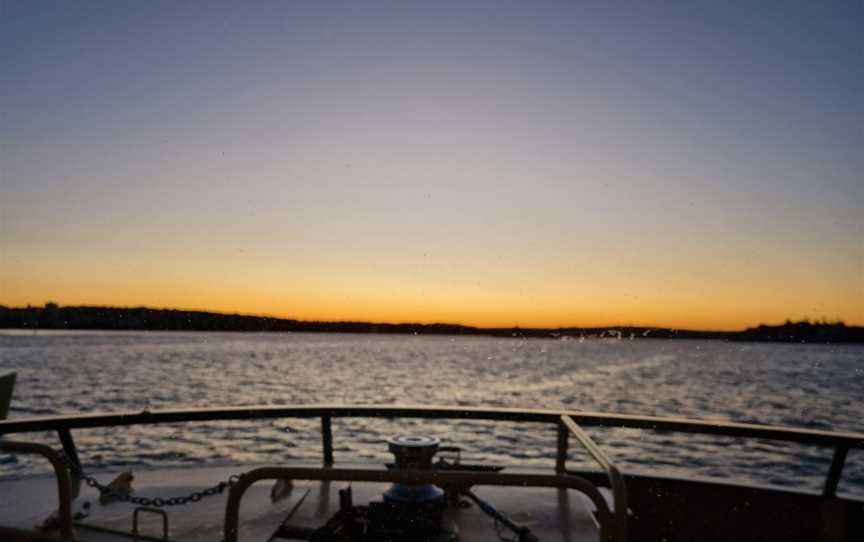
column 52, row 316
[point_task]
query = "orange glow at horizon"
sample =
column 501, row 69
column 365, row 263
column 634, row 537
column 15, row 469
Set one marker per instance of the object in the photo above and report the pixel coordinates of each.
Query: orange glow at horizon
column 547, row 296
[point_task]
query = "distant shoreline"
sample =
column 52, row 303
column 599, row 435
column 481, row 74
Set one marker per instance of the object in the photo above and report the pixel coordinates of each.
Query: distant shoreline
column 55, row 317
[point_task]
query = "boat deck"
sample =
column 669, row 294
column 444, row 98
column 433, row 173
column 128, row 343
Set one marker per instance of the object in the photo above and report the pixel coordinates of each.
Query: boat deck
column 631, row 506
column 551, row 513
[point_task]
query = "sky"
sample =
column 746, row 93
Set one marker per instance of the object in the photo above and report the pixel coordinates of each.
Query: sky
column 683, row 164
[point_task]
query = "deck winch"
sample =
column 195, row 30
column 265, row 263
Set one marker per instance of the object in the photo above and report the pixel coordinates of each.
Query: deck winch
column 413, row 452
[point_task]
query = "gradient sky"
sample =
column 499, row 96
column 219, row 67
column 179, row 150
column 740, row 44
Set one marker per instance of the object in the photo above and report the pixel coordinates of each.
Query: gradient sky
column 683, row 164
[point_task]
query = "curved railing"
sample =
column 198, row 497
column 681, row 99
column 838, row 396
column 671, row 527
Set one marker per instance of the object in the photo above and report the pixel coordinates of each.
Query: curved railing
column 616, row 480
column 613, row 528
column 64, row 487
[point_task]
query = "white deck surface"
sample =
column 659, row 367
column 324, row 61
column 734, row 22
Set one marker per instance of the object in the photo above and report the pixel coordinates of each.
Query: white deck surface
column 551, row 514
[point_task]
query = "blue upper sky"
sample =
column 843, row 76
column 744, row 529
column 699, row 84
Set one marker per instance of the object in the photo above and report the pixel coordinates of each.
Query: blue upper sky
column 503, row 162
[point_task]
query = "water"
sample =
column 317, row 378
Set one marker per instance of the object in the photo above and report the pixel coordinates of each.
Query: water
column 812, row 386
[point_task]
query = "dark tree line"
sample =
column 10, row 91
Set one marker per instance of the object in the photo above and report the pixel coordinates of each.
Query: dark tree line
column 53, row 316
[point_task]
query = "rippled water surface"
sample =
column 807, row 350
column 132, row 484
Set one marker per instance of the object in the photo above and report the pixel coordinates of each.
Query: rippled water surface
column 812, row 386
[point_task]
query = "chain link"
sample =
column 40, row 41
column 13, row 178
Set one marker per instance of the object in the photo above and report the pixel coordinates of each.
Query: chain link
column 156, row 502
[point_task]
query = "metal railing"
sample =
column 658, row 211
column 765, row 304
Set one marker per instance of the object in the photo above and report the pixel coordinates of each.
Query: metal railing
column 616, row 481
column 840, row 441
column 64, row 487
column 568, row 423
column 611, row 530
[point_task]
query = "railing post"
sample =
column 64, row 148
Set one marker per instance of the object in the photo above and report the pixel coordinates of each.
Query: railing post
column 327, row 440
column 7, row 384
column 835, row 472
column 563, row 444
column 72, row 457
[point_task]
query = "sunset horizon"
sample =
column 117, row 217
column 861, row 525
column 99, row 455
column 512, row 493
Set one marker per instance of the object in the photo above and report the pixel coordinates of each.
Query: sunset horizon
column 502, row 324
column 534, row 166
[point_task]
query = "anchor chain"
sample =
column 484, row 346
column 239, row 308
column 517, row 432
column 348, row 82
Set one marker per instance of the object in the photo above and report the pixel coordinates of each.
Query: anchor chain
column 156, row 502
